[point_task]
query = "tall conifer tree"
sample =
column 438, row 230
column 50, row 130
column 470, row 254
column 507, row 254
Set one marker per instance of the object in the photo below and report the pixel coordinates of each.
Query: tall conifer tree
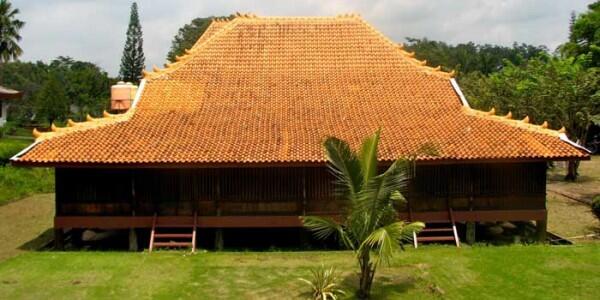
column 132, row 62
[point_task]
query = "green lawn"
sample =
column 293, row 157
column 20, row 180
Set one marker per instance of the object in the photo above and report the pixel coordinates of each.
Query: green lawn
column 518, row 272
column 16, row 183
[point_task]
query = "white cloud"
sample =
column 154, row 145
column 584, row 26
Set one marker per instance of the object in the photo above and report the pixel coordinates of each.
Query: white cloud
column 95, row 30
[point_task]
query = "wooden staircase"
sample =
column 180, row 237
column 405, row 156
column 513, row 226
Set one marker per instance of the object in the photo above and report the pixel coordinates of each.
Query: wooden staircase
column 442, row 231
column 162, row 235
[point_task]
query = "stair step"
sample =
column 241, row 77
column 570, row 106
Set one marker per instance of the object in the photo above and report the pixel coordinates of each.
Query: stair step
column 437, row 230
column 434, row 238
column 173, row 235
column 172, row 244
column 159, row 225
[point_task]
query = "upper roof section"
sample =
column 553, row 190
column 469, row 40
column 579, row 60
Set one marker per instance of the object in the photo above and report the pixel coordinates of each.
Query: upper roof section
column 6, row 93
column 263, row 90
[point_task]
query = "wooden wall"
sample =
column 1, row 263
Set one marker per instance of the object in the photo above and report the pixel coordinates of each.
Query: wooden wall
column 284, row 191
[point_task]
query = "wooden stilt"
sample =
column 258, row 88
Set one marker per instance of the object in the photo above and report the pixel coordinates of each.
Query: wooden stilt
column 59, row 239
column 470, row 234
column 541, row 230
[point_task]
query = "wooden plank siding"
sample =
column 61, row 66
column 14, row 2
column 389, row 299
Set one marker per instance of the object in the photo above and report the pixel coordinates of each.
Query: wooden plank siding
column 287, row 192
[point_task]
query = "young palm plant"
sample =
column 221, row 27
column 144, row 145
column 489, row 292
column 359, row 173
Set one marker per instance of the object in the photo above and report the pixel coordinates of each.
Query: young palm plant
column 370, row 227
column 324, row 283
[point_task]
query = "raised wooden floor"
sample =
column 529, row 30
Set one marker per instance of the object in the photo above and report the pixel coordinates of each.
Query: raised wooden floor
column 113, row 222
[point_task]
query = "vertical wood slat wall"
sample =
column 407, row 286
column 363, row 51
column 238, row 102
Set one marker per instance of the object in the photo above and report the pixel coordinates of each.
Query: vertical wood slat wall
column 285, row 191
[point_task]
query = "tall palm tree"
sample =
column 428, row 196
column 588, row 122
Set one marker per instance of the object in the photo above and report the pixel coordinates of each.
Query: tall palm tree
column 9, row 32
column 370, row 227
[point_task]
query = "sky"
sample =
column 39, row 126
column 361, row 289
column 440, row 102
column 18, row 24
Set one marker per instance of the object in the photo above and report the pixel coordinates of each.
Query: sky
column 95, row 30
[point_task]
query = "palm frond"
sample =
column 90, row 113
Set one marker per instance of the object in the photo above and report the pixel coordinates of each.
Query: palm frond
column 368, row 156
column 326, row 227
column 344, row 165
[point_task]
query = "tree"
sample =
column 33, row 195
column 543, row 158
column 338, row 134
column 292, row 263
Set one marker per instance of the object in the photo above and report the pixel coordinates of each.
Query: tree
column 470, row 57
column 9, row 32
column 133, row 61
column 584, row 36
column 561, row 91
column 187, row 36
column 87, row 87
column 51, row 102
column 370, row 227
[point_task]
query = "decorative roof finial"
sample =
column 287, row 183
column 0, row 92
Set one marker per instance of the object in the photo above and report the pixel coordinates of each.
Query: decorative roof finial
column 509, row 115
column 36, row 134
column 545, row 124
column 89, row 118
column 562, row 130
column 526, row 119
column 492, row 111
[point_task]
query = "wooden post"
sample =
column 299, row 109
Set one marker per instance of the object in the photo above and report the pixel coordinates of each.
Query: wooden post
column 219, row 231
column 470, row 234
column 59, row 239
column 133, row 241
column 541, row 228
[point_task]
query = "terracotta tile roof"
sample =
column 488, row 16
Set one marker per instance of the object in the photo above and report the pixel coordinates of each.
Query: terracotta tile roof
column 270, row 89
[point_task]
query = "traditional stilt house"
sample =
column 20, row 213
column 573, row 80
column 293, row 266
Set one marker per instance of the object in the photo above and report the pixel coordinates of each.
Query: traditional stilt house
column 231, row 135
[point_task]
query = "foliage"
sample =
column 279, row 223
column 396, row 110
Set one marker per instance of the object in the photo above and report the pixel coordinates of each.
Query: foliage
column 584, row 36
column 9, row 32
column 86, row 86
column 51, row 102
column 16, row 183
column 187, row 36
column 558, row 90
column 471, row 57
column 324, row 283
column 371, row 227
column 133, row 61
column 596, row 206
column 10, row 147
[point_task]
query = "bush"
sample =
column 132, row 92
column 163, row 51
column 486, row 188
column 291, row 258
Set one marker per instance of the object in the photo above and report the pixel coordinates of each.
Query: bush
column 10, row 147
column 16, row 183
column 324, row 283
column 596, row 206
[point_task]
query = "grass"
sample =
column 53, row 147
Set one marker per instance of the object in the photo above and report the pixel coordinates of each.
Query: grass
column 25, row 225
column 521, row 272
column 16, row 183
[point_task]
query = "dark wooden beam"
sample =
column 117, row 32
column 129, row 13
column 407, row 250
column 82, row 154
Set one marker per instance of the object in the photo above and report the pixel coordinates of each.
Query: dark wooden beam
column 280, row 221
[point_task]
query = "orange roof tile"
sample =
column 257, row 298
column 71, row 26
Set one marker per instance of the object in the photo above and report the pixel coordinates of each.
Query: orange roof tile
column 270, row 89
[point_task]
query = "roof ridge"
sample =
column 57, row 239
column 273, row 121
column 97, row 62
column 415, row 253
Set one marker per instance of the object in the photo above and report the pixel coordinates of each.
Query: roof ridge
column 89, row 123
column 181, row 60
column 408, row 56
column 507, row 119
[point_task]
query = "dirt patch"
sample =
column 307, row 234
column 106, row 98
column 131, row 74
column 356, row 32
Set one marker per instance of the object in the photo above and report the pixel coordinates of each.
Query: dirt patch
column 584, row 189
column 25, row 224
column 571, row 219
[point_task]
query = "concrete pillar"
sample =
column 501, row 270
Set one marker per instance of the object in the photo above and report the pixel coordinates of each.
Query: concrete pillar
column 541, row 228
column 219, row 239
column 470, row 234
column 133, row 241
column 59, row 239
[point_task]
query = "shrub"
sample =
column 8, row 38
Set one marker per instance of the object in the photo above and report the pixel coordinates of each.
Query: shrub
column 324, row 283
column 16, row 183
column 596, row 206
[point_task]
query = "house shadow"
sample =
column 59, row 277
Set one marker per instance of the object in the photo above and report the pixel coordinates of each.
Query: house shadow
column 42, row 242
column 385, row 286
